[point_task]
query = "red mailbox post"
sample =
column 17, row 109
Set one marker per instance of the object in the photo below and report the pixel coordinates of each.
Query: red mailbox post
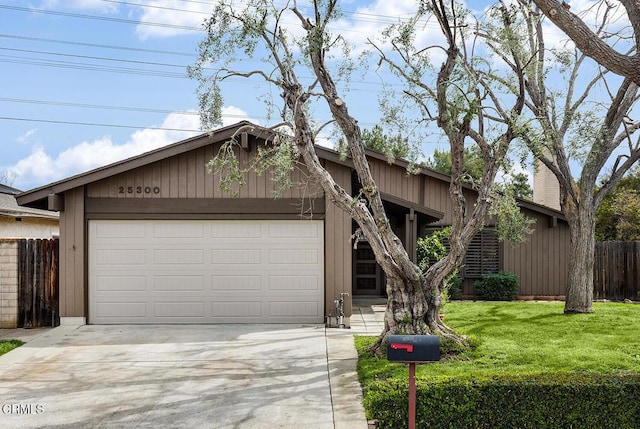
column 413, row 349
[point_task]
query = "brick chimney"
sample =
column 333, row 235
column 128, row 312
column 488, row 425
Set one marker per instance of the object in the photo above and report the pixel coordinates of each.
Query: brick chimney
column 546, row 190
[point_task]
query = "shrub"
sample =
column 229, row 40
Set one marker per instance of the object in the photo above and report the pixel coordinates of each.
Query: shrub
column 453, row 287
column 498, row 287
column 569, row 400
column 8, row 345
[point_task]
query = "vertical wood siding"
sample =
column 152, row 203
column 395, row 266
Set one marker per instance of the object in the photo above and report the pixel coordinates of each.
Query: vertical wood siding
column 72, row 255
column 394, row 180
column 337, row 231
column 541, row 262
column 186, row 176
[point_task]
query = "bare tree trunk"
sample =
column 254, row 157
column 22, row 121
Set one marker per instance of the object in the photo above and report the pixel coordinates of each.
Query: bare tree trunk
column 579, row 294
column 405, row 308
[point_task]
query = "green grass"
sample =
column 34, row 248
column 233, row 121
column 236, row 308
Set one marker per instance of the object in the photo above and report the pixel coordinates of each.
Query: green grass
column 8, row 345
column 527, row 338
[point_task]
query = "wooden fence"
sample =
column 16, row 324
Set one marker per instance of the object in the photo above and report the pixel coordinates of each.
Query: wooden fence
column 616, row 274
column 38, row 283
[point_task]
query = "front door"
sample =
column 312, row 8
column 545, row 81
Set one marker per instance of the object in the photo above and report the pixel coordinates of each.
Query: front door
column 368, row 277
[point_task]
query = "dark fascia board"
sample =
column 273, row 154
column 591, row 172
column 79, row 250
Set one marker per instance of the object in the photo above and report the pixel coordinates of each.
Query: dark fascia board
column 34, row 196
column 333, row 156
column 408, row 204
column 530, row 205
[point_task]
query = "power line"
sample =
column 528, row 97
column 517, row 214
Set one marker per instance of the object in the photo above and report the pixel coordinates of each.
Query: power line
column 127, row 70
column 150, row 6
column 92, row 57
column 175, row 26
column 95, row 124
column 102, row 18
column 95, row 45
column 99, row 106
column 84, row 66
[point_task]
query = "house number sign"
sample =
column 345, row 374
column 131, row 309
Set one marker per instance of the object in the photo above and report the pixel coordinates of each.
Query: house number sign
column 138, row 190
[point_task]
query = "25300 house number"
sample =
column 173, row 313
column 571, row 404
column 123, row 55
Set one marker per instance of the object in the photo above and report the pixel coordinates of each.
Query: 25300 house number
column 138, row 190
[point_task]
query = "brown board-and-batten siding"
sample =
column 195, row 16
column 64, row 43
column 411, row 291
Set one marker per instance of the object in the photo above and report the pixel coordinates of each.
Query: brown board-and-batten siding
column 541, row 262
column 338, row 259
column 73, row 273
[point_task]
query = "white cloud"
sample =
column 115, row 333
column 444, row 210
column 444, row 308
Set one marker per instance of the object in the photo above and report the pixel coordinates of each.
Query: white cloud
column 41, row 167
column 24, row 138
column 172, row 13
column 369, row 21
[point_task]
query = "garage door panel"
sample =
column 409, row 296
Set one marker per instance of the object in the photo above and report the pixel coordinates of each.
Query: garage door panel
column 236, row 256
column 178, row 309
column 122, row 310
column 294, row 256
column 178, row 256
column 294, row 231
column 237, row 310
column 293, row 283
column 237, row 231
column 236, row 282
column 106, row 256
column 206, row 272
column 121, row 283
column 110, row 231
column 286, row 309
column 180, row 283
column 180, row 231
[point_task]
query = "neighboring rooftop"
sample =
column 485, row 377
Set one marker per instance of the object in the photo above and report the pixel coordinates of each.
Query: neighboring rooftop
column 4, row 189
column 9, row 206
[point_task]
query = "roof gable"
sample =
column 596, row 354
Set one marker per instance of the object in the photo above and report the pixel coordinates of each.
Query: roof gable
column 37, row 197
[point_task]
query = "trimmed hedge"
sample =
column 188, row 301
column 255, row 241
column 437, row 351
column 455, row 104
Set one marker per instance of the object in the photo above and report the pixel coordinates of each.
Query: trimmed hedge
column 573, row 400
column 501, row 286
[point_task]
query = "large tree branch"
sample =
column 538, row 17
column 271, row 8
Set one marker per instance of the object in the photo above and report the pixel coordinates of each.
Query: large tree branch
column 605, row 143
column 589, row 42
column 351, row 130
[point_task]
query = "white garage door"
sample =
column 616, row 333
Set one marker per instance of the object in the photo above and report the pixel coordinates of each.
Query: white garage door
column 194, row 271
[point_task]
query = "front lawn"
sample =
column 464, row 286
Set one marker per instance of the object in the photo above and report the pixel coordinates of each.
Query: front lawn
column 522, row 343
column 8, row 345
column 530, row 337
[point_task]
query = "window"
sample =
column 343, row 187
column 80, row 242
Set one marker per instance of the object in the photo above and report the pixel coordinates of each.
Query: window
column 482, row 255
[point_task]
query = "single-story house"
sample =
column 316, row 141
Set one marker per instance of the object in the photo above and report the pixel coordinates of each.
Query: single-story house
column 153, row 238
column 24, row 222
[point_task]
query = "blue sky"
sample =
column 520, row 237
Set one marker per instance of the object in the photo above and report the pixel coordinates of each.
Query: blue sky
column 89, row 82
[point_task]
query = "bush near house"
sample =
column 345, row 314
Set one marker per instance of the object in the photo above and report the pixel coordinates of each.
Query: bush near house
column 511, row 401
column 8, row 345
column 531, row 367
column 501, row 286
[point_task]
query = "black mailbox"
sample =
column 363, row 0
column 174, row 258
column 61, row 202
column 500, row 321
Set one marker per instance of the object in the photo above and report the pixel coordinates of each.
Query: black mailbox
column 413, row 348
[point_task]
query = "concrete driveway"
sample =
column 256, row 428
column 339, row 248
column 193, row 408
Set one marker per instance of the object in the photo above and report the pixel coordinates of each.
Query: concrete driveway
column 161, row 376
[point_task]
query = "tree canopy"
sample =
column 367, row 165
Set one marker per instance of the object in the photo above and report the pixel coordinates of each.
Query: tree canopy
column 395, row 146
column 592, row 43
column 573, row 125
column 618, row 217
